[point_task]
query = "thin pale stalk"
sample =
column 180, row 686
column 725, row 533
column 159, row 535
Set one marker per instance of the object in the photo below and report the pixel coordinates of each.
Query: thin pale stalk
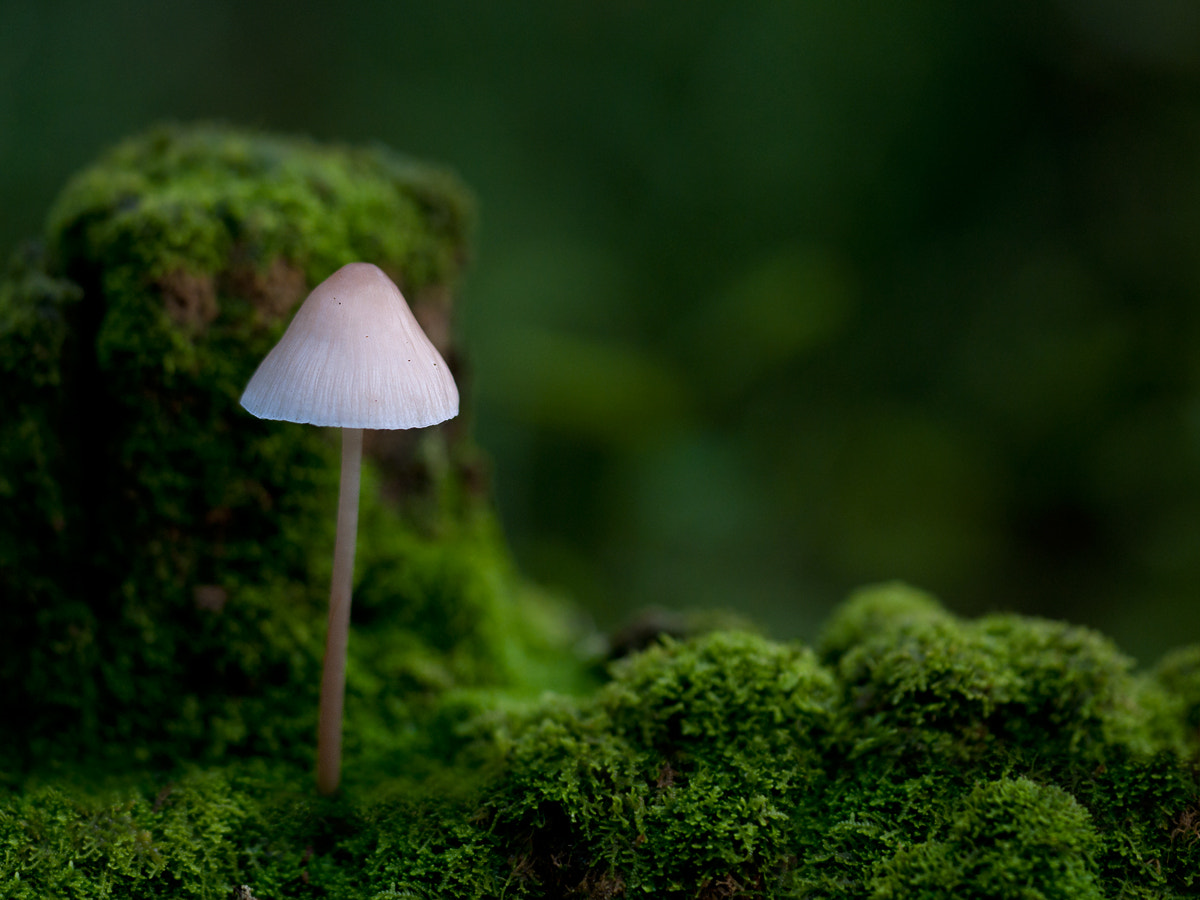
column 333, row 679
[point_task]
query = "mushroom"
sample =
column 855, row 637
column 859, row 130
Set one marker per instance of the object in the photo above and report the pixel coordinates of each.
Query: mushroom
column 353, row 357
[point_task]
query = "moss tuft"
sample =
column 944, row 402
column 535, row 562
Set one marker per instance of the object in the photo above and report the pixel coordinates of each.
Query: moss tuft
column 1179, row 674
column 1008, row 839
column 876, row 609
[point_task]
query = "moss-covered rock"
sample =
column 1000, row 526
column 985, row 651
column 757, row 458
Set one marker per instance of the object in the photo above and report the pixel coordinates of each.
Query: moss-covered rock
column 164, row 556
column 165, row 561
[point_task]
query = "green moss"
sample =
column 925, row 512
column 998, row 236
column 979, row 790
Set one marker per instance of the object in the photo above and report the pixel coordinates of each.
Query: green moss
column 1011, row 838
column 930, row 682
column 722, row 766
column 1179, row 674
column 166, row 555
column 165, row 562
column 201, row 834
column 686, row 769
column 932, row 704
column 880, row 608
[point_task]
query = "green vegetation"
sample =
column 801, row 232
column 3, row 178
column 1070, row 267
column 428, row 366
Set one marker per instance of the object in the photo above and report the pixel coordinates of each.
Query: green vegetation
column 164, row 556
column 165, row 561
column 932, row 758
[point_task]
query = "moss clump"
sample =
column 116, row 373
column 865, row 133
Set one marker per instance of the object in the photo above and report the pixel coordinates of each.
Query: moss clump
column 686, row 770
column 921, row 755
column 164, row 556
column 932, row 707
column 1179, row 672
column 1007, row 838
column 930, row 685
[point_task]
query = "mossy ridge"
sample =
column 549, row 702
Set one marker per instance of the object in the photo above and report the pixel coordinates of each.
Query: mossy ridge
column 933, row 706
column 697, row 773
column 728, row 765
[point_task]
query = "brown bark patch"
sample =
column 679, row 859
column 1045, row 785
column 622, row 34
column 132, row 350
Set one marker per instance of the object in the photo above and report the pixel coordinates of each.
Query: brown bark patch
column 189, row 299
column 273, row 292
column 605, row 886
column 210, row 597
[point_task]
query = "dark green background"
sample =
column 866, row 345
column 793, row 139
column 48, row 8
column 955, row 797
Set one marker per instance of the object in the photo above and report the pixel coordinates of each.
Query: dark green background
column 771, row 299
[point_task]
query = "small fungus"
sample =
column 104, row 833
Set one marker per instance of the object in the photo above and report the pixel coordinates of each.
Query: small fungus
column 353, row 357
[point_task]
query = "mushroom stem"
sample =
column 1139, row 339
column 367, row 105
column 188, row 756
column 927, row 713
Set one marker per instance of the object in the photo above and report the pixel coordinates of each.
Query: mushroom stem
column 333, row 679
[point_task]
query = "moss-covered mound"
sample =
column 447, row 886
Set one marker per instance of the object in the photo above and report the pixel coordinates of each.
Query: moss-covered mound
column 164, row 565
column 919, row 756
column 164, row 556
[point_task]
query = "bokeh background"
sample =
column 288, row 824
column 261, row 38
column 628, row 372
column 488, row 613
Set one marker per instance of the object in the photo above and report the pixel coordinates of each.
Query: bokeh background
column 770, row 299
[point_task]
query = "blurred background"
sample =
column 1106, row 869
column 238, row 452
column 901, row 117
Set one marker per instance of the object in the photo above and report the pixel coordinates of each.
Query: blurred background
column 770, row 299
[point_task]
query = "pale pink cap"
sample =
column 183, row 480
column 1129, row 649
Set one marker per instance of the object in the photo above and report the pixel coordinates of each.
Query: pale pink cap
column 354, row 357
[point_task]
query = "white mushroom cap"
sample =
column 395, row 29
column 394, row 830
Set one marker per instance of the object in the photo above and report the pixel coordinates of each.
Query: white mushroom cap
column 354, row 357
